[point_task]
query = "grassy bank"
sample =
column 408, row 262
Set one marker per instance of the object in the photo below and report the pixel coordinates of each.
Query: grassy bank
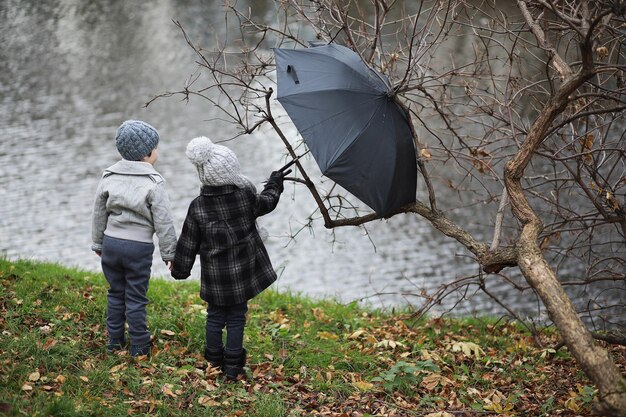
column 305, row 358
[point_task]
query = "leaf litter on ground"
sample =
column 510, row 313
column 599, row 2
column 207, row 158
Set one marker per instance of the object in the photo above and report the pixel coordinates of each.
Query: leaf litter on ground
column 306, row 358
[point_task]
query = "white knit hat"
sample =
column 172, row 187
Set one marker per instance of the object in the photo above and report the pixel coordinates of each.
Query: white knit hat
column 216, row 164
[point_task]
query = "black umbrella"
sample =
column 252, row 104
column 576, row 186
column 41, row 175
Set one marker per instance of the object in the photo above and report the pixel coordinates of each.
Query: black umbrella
column 358, row 135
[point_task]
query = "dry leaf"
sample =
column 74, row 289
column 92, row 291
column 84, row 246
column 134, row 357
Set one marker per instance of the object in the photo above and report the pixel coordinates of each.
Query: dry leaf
column 278, row 317
column 432, row 381
column 431, row 356
column 168, row 333
column 27, row 387
column 587, row 142
column 327, row 336
column 426, row 154
column 468, row 349
column 49, row 343
column 319, row 314
column 84, row 378
column 389, row 343
column 34, row 376
column 207, row 401
column 439, row 414
column 356, row 334
column 117, row 368
column 364, row 385
column 167, row 390
column 283, row 354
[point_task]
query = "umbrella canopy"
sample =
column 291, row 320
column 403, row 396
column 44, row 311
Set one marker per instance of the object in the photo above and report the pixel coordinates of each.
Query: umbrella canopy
column 358, row 135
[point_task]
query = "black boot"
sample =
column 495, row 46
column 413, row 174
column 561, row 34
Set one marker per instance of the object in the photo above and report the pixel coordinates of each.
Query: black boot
column 214, row 356
column 233, row 365
column 141, row 350
column 116, row 344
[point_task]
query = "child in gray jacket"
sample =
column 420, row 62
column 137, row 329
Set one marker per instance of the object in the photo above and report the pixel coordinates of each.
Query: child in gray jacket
column 131, row 205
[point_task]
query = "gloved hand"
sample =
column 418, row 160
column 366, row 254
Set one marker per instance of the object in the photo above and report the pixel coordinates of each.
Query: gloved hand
column 277, row 177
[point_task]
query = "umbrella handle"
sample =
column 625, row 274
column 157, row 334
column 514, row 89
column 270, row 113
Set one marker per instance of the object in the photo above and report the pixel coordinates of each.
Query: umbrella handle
column 293, row 161
column 292, row 71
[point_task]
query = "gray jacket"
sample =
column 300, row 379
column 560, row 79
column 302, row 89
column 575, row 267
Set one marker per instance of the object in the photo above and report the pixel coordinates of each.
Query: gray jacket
column 131, row 203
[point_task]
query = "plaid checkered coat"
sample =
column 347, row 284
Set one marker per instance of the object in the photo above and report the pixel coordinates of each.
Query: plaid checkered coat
column 220, row 226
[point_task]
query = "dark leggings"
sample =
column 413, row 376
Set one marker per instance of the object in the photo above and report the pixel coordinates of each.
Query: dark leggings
column 233, row 318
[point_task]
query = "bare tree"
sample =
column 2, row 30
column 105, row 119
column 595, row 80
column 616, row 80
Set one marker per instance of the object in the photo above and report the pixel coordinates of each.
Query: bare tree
column 528, row 122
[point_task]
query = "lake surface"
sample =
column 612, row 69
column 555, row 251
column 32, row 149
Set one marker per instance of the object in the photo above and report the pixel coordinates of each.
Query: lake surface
column 72, row 71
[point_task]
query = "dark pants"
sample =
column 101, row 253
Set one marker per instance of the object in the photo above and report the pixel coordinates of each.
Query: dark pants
column 126, row 265
column 233, row 318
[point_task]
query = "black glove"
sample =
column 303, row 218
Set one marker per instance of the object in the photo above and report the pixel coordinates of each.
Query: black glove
column 277, row 178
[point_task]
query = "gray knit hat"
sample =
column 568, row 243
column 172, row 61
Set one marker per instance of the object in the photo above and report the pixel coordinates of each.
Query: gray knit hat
column 136, row 139
column 216, row 164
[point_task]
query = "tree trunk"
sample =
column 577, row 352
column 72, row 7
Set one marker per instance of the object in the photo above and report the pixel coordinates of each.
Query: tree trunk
column 594, row 360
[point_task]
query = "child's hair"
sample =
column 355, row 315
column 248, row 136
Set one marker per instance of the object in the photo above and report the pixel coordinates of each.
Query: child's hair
column 136, row 139
column 216, row 164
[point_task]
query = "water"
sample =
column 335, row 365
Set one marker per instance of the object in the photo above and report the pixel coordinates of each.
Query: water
column 72, row 71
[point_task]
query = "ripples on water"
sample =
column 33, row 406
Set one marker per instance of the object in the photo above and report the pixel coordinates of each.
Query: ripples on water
column 71, row 72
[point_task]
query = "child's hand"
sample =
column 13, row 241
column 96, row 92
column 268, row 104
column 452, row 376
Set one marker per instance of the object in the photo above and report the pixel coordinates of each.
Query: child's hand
column 99, row 253
column 170, row 265
column 277, row 177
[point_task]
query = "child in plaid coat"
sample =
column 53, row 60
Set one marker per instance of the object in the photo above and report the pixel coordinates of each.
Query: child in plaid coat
column 221, row 227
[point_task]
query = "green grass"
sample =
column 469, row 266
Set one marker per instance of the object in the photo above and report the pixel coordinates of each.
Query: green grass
column 306, row 357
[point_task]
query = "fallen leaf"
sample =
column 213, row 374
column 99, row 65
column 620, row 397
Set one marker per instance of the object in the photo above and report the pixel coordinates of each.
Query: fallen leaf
column 364, row 385
column 327, row 335
column 27, row 387
column 84, row 378
column 468, row 349
column 571, row 403
column 167, row 390
column 278, row 317
column 34, row 376
column 207, row 401
column 49, row 344
column 431, row 356
column 356, row 334
column 389, row 343
column 168, row 332
column 117, row 368
column 319, row 314
column 283, row 354
column 430, row 382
